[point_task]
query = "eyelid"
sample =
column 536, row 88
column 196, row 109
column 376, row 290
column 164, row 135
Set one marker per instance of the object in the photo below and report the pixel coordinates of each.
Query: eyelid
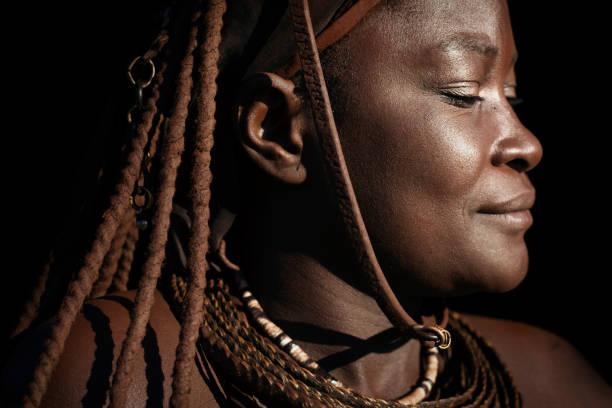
column 465, row 87
column 464, row 94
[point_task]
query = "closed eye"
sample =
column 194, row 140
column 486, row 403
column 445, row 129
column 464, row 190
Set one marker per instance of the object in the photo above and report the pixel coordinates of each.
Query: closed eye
column 461, row 101
column 467, row 101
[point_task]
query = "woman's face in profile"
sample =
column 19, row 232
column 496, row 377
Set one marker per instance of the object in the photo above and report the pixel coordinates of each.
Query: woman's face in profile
column 436, row 154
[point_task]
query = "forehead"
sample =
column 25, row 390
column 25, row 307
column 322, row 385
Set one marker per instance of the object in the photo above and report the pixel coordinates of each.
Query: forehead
column 445, row 24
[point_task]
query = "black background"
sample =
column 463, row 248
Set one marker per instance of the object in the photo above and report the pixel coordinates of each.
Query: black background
column 66, row 64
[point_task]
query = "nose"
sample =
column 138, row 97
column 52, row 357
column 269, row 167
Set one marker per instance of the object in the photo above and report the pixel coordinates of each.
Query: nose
column 518, row 148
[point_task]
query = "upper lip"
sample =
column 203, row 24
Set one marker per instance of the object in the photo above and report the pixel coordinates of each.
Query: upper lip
column 521, row 202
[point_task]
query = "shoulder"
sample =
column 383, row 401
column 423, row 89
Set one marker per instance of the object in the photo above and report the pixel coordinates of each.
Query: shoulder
column 84, row 373
column 547, row 370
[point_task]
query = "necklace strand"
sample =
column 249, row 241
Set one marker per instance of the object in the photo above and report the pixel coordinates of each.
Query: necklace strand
column 420, row 391
column 474, row 376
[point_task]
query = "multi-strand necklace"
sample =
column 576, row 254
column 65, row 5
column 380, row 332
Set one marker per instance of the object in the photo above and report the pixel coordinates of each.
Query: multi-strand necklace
column 259, row 359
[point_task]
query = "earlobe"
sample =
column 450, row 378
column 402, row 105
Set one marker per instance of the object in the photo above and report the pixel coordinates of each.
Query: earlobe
column 266, row 119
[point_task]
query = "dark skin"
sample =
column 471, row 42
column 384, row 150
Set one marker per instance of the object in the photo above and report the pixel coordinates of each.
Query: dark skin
column 438, row 160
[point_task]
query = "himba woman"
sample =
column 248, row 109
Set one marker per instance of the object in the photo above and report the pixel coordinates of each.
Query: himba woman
column 310, row 271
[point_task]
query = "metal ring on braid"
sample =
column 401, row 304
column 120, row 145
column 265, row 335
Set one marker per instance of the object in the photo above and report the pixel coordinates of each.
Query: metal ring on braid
column 170, row 153
column 80, row 287
column 338, row 175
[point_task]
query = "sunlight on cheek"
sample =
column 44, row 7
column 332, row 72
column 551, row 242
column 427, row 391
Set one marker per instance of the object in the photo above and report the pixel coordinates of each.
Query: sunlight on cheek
column 449, row 154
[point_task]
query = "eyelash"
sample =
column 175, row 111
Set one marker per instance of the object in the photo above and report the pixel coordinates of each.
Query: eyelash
column 461, row 101
column 467, row 101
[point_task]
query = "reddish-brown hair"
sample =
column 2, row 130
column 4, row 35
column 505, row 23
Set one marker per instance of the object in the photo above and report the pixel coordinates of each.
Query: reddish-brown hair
column 108, row 263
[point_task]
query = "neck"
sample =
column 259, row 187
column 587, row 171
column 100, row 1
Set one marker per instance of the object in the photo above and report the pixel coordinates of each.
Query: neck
column 300, row 288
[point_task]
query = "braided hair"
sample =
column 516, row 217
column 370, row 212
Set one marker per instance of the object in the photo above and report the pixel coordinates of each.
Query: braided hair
column 174, row 127
column 186, row 71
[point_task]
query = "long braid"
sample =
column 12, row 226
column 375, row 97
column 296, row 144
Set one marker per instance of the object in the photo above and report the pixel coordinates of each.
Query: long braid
column 172, row 149
column 79, row 288
column 227, row 338
column 124, row 265
column 111, row 261
column 120, row 280
column 32, row 306
column 201, row 178
column 118, row 261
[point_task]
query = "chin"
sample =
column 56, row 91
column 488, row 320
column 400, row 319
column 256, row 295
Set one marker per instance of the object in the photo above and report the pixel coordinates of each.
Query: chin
column 505, row 272
column 495, row 267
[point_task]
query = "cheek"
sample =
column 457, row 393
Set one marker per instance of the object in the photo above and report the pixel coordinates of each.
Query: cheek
column 423, row 148
column 415, row 166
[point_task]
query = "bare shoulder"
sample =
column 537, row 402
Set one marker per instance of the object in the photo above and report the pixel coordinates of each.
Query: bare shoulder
column 85, row 370
column 547, row 370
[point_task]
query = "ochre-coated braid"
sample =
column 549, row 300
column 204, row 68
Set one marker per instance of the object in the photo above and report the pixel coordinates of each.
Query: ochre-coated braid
column 201, row 177
column 464, row 392
column 118, row 261
column 170, row 158
column 238, row 348
column 79, row 288
column 506, row 379
column 317, row 382
column 270, row 350
column 120, row 280
column 30, row 311
column 281, row 383
column 227, row 328
column 111, row 260
column 242, row 354
column 124, row 265
column 315, row 386
column 238, row 332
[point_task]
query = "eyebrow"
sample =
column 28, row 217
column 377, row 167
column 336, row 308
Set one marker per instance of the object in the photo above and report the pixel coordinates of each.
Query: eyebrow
column 469, row 42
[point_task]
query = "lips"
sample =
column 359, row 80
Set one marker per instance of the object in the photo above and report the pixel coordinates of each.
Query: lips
column 521, row 202
column 512, row 213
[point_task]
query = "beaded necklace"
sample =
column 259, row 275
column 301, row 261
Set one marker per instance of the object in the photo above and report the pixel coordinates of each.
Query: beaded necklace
column 430, row 355
column 264, row 366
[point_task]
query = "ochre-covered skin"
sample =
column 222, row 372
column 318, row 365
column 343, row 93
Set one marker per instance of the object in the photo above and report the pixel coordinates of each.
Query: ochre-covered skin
column 547, row 370
column 439, row 162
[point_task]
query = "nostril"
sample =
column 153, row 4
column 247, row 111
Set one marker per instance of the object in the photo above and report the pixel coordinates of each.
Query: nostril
column 519, row 165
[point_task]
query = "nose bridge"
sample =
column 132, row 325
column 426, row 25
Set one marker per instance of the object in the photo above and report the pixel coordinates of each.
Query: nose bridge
column 516, row 146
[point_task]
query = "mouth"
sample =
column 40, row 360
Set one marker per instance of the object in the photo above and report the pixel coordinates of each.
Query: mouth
column 514, row 213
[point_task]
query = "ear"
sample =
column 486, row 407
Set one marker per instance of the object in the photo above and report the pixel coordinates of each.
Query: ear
column 267, row 123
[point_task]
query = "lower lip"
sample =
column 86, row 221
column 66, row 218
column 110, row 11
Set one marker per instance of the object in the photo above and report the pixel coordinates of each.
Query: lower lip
column 514, row 219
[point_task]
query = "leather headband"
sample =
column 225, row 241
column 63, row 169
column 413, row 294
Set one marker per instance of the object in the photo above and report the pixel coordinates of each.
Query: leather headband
column 332, row 33
column 335, row 164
